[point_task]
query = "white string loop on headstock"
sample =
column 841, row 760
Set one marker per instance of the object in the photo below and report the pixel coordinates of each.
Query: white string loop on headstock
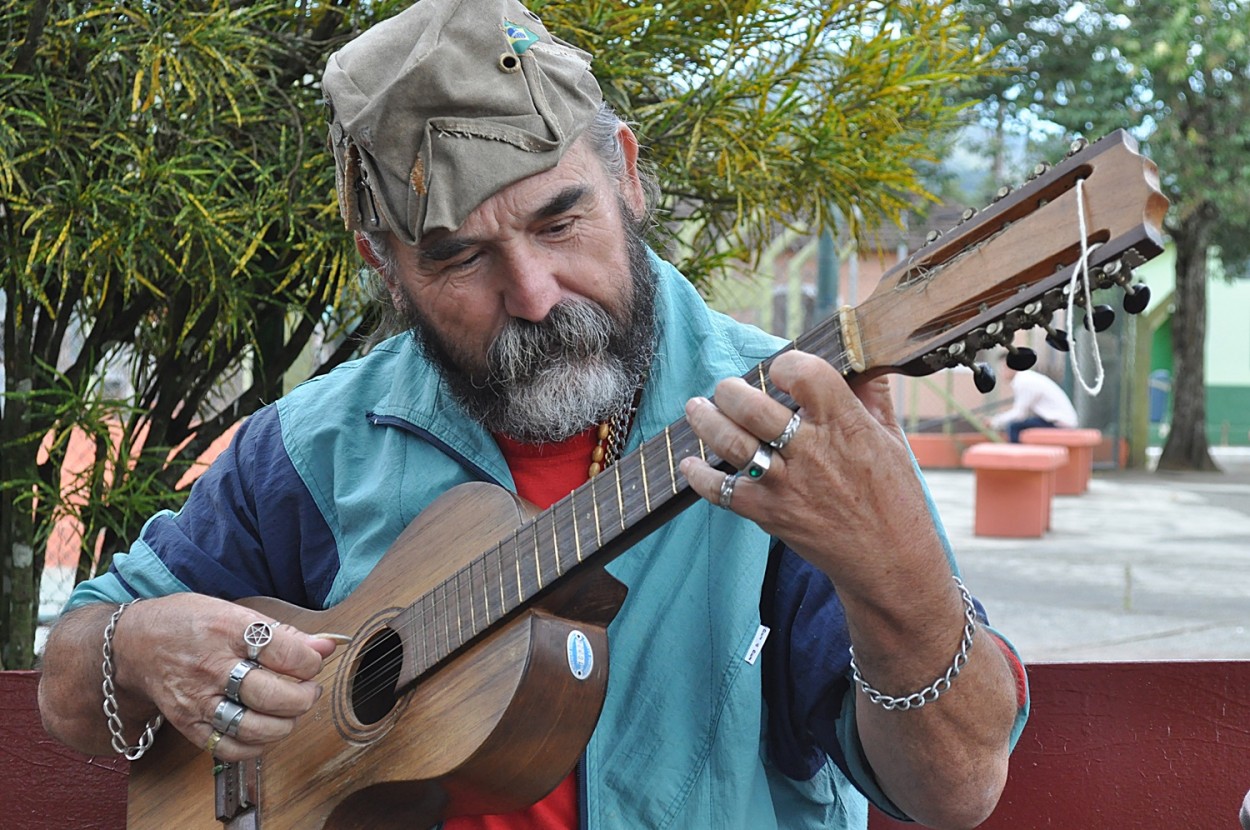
column 1082, row 270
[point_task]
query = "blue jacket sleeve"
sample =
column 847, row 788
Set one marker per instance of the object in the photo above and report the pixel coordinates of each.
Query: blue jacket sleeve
column 225, row 541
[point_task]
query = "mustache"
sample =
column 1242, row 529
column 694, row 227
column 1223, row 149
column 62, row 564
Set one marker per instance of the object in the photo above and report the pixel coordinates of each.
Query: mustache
column 573, row 330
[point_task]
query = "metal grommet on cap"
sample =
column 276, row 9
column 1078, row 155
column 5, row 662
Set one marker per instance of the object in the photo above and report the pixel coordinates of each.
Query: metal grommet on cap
column 509, row 62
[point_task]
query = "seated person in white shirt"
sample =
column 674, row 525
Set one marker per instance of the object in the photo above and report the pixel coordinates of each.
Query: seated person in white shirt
column 1037, row 401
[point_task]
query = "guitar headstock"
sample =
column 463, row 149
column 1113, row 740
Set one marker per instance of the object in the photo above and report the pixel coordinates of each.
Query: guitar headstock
column 1007, row 267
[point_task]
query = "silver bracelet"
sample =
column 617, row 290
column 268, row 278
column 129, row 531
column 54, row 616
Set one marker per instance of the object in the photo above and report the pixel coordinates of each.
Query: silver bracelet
column 132, row 753
column 935, row 689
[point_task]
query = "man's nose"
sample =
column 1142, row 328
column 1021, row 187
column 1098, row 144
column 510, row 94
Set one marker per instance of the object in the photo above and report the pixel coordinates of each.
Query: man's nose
column 531, row 288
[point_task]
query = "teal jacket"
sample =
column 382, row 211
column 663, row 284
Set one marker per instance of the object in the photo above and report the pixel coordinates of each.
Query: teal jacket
column 313, row 491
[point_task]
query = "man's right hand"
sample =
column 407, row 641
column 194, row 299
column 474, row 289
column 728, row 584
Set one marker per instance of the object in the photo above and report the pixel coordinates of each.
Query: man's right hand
column 175, row 654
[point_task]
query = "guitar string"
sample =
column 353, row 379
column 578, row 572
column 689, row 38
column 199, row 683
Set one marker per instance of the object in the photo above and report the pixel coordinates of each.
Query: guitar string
column 454, row 598
column 430, row 602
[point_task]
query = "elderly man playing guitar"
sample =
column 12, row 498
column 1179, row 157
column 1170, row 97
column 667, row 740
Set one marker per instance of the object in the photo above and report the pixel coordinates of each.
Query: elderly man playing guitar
column 744, row 526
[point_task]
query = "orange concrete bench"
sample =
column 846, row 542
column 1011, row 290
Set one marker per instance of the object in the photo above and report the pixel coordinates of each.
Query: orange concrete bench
column 1014, row 484
column 1072, row 479
column 941, row 450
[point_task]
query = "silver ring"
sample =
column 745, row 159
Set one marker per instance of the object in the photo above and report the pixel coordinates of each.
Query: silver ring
column 787, row 434
column 237, row 674
column 256, row 636
column 210, row 745
column 758, row 466
column 727, row 490
column 228, row 716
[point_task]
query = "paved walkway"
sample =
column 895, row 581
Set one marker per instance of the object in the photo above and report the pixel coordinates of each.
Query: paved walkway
column 1144, row 566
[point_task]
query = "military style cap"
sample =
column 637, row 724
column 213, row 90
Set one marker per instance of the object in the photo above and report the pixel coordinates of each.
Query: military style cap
column 440, row 107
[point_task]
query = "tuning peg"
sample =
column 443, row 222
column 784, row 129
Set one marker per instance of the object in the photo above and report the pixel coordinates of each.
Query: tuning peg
column 1101, row 318
column 1057, row 339
column 1077, row 146
column 984, row 378
column 1136, row 298
column 1021, row 358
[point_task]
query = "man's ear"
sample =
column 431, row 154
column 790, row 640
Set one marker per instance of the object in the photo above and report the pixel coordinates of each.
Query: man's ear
column 631, row 184
column 366, row 251
column 371, row 257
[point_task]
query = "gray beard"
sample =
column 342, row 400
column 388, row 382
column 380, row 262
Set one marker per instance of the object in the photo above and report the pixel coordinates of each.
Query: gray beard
column 548, row 381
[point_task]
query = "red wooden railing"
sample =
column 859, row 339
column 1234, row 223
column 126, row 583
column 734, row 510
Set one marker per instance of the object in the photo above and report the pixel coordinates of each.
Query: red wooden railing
column 1156, row 746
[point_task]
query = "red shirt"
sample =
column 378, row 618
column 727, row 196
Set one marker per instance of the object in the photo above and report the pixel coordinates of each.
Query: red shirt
column 544, row 474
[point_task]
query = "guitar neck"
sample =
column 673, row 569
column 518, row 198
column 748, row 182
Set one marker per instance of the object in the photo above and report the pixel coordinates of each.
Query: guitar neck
column 1001, row 270
column 596, row 521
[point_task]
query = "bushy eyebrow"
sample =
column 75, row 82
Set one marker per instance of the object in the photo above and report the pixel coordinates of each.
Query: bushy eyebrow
column 441, row 250
column 563, row 202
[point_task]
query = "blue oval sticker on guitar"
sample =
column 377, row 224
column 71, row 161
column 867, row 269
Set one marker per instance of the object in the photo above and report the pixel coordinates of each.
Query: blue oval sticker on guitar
column 581, row 655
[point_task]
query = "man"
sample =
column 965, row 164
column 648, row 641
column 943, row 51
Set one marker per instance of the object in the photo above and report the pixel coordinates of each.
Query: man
column 502, row 204
column 1036, row 402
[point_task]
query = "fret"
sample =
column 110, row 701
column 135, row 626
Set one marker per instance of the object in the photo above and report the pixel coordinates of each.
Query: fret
column 577, row 535
column 538, row 565
column 594, row 502
column 503, row 602
column 419, row 637
column 466, row 575
column 476, row 564
column 672, row 474
column 702, row 450
column 486, row 584
column 520, row 593
column 555, row 541
column 763, row 383
column 446, row 622
column 432, row 624
column 457, row 608
column 642, row 465
column 620, row 496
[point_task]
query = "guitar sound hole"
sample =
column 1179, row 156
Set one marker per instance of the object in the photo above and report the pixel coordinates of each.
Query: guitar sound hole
column 377, row 673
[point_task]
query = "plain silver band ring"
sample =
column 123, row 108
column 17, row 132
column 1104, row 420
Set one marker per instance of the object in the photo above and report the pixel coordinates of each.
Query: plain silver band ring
column 787, row 434
column 237, row 674
column 757, row 467
column 256, row 636
column 227, row 717
column 727, row 490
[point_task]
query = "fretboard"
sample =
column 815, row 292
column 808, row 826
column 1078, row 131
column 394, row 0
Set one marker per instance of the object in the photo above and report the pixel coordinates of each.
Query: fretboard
column 596, row 521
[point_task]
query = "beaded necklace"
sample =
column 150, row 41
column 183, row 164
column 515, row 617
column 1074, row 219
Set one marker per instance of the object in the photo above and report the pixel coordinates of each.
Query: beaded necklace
column 611, row 436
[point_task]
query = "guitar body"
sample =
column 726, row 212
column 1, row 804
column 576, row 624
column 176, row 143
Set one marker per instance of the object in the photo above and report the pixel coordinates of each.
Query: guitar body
column 493, row 730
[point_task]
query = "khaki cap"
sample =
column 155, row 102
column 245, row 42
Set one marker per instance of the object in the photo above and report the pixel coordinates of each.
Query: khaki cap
column 440, row 107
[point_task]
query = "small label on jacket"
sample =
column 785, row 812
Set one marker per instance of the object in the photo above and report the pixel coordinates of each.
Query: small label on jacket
column 757, row 645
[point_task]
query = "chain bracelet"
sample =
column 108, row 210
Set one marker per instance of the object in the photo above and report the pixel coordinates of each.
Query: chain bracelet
column 935, row 689
column 132, row 753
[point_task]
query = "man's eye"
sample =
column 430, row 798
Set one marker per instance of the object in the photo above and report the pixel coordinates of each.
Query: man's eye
column 559, row 228
column 464, row 262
